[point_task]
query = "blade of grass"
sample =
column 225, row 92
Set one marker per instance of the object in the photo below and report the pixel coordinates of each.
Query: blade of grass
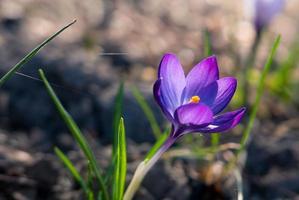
column 70, row 166
column 260, row 91
column 121, row 163
column 207, row 43
column 118, row 105
column 252, row 115
column 90, row 178
column 147, row 111
column 110, row 170
column 90, row 195
column 31, row 54
column 247, row 68
column 160, row 141
column 78, row 136
column 215, row 138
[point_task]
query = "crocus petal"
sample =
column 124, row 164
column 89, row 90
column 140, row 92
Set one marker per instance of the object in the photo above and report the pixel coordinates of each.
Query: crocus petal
column 201, row 75
column 159, row 100
column 265, row 10
column 173, row 81
column 193, row 114
column 218, row 94
column 223, row 122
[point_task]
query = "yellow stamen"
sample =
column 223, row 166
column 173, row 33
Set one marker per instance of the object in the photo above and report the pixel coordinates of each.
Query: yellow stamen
column 194, row 99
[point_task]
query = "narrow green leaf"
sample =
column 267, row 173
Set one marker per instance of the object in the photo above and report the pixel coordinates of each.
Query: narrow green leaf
column 147, row 111
column 110, row 170
column 70, row 166
column 160, row 141
column 260, row 91
column 118, row 105
column 120, row 169
column 207, row 43
column 123, row 157
column 90, row 179
column 215, row 137
column 78, row 136
column 90, row 195
column 31, row 54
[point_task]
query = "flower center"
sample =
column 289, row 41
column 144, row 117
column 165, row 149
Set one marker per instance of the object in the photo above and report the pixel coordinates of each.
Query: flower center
column 194, row 99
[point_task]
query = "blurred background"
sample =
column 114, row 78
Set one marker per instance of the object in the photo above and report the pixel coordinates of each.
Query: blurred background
column 117, row 40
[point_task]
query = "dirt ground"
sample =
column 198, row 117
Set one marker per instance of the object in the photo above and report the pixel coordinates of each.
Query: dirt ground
column 87, row 78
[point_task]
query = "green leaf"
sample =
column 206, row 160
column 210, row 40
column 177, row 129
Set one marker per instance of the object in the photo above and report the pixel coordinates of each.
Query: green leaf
column 31, row 54
column 110, row 170
column 118, row 105
column 160, row 141
column 78, row 136
column 260, row 91
column 90, row 178
column 207, row 44
column 147, row 111
column 215, row 137
column 90, row 195
column 120, row 164
column 70, row 166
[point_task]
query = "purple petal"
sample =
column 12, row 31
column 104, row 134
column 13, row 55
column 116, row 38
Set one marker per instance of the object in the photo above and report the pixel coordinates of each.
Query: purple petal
column 217, row 95
column 173, row 81
column 201, row 75
column 224, row 122
column 265, row 10
column 159, row 100
column 194, row 114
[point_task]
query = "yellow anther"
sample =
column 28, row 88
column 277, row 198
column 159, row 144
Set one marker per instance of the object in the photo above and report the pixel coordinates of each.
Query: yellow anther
column 194, row 99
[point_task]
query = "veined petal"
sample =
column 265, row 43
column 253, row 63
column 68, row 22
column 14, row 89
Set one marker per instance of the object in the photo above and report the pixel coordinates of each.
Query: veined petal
column 173, row 81
column 218, row 94
column 201, row 75
column 160, row 101
column 224, row 122
column 193, row 114
column 225, row 89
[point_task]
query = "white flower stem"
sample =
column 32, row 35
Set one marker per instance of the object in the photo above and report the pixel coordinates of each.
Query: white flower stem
column 143, row 169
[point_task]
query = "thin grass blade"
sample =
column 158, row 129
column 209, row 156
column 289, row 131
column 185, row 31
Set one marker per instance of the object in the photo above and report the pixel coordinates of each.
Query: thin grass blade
column 120, row 169
column 72, row 169
column 215, row 138
column 90, row 181
column 160, row 141
column 118, row 106
column 260, row 91
column 31, row 54
column 78, row 136
column 207, row 43
column 147, row 111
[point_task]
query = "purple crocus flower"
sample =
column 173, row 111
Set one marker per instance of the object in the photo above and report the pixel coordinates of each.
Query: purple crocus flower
column 264, row 11
column 192, row 103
